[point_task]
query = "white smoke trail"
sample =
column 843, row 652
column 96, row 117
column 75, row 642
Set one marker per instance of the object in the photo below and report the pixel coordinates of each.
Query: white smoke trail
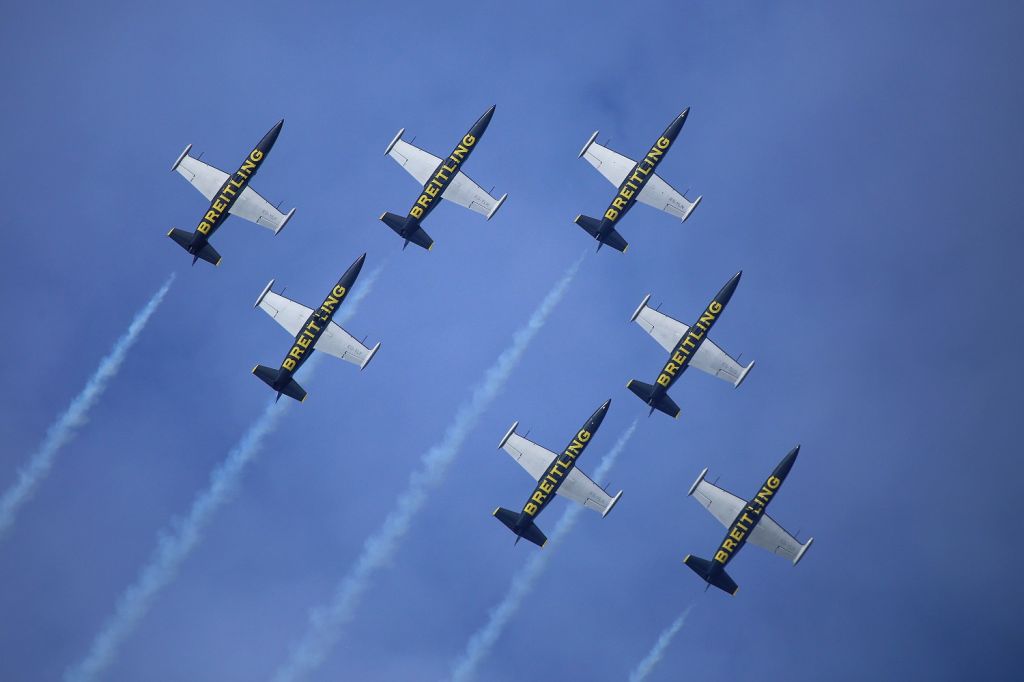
column 65, row 428
column 483, row 640
column 644, row 668
column 325, row 622
column 175, row 546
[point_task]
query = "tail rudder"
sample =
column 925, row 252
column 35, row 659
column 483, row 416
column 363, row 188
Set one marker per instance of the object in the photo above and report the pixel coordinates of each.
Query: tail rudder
column 270, row 377
column 719, row 579
column 531, row 532
column 662, row 403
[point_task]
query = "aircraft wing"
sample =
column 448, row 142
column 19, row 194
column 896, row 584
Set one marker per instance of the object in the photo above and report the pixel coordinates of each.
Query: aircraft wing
column 716, row 362
column 204, row 177
column 286, row 312
column 532, row 457
column 709, row 357
column 659, row 194
column 579, row 488
column 465, row 192
column 665, row 330
column 768, row 534
column 339, row 343
column 420, row 164
column 612, row 165
column 256, row 209
column 722, row 504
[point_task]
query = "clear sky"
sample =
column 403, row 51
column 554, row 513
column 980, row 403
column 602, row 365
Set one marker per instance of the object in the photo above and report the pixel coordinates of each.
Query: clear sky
column 858, row 161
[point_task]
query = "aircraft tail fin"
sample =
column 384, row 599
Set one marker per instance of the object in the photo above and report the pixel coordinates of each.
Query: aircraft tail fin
column 270, row 376
column 184, row 240
column 646, row 393
column 719, row 579
column 399, row 224
column 593, row 228
column 532, row 532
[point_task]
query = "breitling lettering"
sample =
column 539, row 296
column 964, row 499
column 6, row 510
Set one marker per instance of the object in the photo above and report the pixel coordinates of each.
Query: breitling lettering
column 747, row 520
column 635, row 183
column 233, row 186
column 442, row 177
column 558, row 470
column 311, row 332
column 689, row 344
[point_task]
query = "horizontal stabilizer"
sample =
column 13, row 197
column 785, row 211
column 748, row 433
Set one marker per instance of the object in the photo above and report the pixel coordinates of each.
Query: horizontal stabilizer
column 400, row 225
column 593, row 228
column 531, row 533
column 270, row 377
column 719, row 578
column 395, row 222
column 591, row 225
column 184, row 240
column 646, row 393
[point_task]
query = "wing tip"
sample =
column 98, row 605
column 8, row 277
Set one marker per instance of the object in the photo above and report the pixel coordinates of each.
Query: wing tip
column 508, row 434
column 181, row 157
column 394, row 141
column 587, row 145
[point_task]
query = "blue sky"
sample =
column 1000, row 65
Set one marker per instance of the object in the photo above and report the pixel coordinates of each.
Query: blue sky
column 859, row 162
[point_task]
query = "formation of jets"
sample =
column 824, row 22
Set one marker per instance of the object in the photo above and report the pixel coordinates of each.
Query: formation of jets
column 554, row 473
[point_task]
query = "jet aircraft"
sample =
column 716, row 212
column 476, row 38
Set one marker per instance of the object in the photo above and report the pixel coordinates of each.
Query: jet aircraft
column 635, row 180
column 686, row 346
column 312, row 329
column 441, row 179
column 227, row 194
column 744, row 521
column 554, row 474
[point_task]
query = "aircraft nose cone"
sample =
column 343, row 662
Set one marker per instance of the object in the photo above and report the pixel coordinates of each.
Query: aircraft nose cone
column 606, row 404
column 787, row 462
column 686, row 112
column 486, row 118
column 727, row 291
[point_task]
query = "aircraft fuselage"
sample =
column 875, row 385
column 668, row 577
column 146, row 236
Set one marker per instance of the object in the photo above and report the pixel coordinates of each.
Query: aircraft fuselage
column 430, row 195
column 232, row 189
column 634, row 183
column 559, row 470
column 316, row 324
column 752, row 513
column 679, row 359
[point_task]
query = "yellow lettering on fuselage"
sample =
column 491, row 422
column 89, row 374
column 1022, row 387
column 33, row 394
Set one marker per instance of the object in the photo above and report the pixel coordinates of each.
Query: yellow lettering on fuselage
column 634, row 185
column 228, row 193
column 307, row 337
column 683, row 353
column 552, row 478
column 442, row 176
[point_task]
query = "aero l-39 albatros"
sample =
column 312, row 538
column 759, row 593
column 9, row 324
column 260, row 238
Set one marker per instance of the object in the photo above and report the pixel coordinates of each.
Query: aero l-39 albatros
column 686, row 346
column 635, row 180
column 227, row 194
column 554, row 474
column 312, row 329
column 745, row 521
column 440, row 180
